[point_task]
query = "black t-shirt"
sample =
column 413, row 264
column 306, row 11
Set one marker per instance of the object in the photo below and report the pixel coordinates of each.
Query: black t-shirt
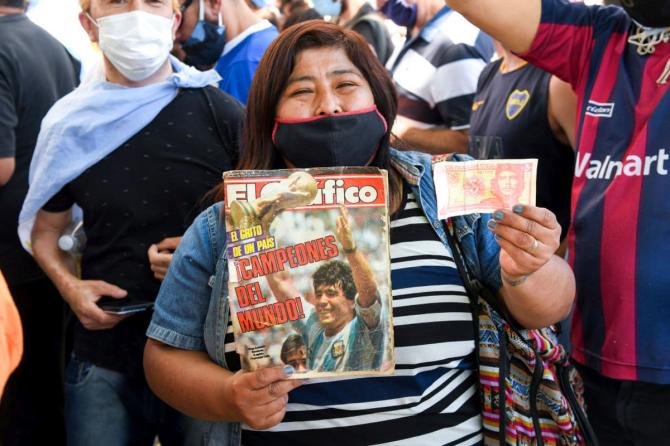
column 510, row 120
column 149, row 188
column 35, row 71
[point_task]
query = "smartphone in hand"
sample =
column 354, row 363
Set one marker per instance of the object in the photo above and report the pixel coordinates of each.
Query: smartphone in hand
column 123, row 306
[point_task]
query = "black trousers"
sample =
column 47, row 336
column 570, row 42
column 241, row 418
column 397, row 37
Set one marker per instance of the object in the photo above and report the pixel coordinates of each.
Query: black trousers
column 626, row 413
column 31, row 410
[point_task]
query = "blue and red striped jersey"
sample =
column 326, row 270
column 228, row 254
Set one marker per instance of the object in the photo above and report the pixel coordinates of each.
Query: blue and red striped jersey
column 619, row 241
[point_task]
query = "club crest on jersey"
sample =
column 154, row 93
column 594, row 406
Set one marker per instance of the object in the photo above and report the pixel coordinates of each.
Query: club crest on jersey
column 338, row 349
column 516, row 102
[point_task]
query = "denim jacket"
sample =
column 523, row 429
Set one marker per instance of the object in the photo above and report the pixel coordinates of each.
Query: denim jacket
column 192, row 311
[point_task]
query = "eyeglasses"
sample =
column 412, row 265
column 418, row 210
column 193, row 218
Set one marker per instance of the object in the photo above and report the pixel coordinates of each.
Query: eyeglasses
column 184, row 6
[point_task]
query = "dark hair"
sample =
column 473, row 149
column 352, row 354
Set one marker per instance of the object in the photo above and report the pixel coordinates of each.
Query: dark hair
column 299, row 15
column 257, row 150
column 292, row 5
column 291, row 344
column 274, row 70
column 518, row 173
column 13, row 3
column 272, row 74
column 335, row 272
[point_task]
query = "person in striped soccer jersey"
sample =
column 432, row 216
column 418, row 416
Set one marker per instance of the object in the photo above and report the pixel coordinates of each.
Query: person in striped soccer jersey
column 325, row 80
column 618, row 62
column 436, row 74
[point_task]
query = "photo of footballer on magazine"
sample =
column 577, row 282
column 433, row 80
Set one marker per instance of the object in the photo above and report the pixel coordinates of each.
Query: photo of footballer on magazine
column 309, row 270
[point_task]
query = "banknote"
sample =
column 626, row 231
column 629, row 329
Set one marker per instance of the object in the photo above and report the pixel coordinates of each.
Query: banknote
column 482, row 186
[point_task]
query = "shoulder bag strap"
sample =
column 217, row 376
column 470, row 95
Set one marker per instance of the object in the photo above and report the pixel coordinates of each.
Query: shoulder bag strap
column 219, row 132
column 473, row 285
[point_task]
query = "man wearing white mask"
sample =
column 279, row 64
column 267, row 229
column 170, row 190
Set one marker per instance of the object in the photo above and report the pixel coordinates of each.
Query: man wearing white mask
column 618, row 62
column 136, row 151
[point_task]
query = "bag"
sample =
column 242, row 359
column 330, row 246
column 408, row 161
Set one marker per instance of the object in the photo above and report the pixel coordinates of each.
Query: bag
column 530, row 393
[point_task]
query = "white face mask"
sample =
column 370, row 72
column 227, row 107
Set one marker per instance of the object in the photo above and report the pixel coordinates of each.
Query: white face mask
column 137, row 43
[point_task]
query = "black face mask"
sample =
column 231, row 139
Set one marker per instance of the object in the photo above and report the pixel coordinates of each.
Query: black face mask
column 344, row 139
column 649, row 13
column 206, row 44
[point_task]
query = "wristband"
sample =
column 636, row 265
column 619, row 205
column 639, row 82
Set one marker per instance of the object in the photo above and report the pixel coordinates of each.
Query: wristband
column 349, row 251
column 370, row 312
column 515, row 282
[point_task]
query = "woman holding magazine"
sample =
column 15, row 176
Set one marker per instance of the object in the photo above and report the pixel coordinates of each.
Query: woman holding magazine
column 321, row 98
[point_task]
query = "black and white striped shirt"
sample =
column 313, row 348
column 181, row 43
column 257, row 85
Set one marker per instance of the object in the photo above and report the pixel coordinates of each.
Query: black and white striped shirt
column 432, row 397
column 436, row 72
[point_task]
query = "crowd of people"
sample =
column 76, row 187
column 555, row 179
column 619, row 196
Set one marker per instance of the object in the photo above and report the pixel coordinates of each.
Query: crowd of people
column 185, row 90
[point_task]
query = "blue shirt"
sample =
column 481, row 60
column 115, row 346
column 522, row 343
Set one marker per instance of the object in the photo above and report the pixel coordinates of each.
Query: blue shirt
column 240, row 58
column 355, row 347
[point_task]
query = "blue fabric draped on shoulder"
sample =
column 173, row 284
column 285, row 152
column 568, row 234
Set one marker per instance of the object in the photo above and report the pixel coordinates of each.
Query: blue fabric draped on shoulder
column 91, row 122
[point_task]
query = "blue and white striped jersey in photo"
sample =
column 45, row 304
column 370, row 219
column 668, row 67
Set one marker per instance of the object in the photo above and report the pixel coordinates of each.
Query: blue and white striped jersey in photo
column 436, row 72
column 432, row 398
column 362, row 348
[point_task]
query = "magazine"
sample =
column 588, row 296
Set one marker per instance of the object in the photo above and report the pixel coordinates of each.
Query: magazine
column 309, row 275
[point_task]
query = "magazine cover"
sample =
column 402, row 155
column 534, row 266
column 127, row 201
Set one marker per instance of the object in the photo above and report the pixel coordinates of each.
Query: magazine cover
column 309, row 270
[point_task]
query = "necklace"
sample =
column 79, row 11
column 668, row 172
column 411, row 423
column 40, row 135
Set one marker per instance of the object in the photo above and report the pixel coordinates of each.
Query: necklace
column 646, row 39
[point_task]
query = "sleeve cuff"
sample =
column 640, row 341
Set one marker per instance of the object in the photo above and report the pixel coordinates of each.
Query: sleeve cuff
column 7, row 152
column 460, row 127
column 373, row 311
column 174, row 339
column 539, row 40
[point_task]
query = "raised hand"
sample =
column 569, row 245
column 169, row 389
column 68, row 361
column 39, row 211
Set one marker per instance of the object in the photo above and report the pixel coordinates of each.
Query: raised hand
column 343, row 231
